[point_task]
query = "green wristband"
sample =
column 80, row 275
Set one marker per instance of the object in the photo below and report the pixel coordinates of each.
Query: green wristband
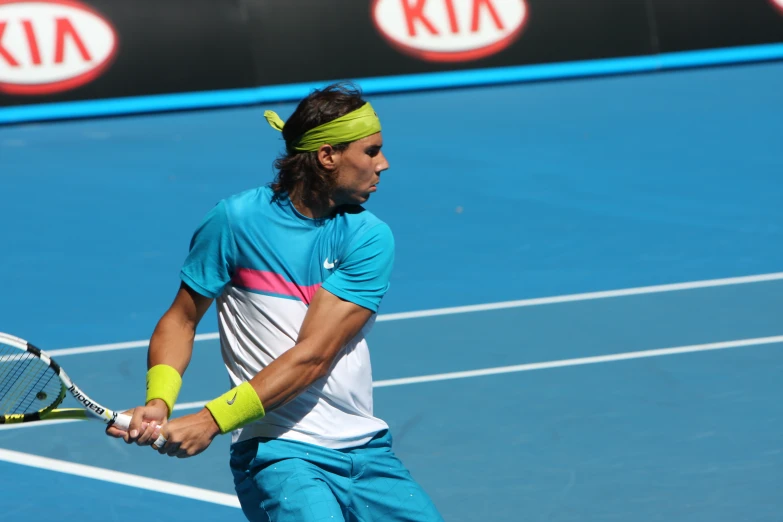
column 236, row 407
column 163, row 382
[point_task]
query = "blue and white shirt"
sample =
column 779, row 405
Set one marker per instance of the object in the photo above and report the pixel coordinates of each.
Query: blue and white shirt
column 263, row 261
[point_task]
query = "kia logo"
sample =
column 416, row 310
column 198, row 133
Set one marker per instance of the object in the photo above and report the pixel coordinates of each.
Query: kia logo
column 450, row 30
column 48, row 46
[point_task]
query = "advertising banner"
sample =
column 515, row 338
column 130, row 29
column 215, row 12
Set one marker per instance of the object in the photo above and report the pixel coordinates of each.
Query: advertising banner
column 311, row 40
column 63, row 50
column 77, row 50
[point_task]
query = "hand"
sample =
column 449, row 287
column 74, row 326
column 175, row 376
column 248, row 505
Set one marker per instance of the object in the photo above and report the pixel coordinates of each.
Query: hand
column 145, row 424
column 189, row 435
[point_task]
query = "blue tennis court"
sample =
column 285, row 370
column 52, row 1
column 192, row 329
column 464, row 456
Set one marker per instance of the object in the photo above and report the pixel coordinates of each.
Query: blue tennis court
column 584, row 318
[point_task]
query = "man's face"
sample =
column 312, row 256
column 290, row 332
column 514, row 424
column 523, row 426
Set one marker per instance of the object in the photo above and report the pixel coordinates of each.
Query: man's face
column 358, row 170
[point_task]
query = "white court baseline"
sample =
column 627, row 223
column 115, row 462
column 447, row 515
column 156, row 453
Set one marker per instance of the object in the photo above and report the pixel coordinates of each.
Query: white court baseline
column 483, row 372
column 539, row 301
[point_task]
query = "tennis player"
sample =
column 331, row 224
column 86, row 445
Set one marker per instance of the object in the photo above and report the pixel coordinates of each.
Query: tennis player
column 298, row 270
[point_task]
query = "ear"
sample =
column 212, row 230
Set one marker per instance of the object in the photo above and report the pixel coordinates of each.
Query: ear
column 328, row 157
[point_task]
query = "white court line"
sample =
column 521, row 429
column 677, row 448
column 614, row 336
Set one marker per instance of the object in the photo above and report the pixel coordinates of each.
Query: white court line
column 117, row 477
column 581, row 361
column 229, row 500
column 119, row 346
column 711, row 283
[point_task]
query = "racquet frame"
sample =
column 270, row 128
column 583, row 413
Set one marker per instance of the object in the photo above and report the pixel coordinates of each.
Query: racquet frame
column 90, row 410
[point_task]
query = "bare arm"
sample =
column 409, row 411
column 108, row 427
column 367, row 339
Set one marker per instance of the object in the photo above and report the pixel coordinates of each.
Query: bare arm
column 171, row 344
column 172, row 340
column 329, row 324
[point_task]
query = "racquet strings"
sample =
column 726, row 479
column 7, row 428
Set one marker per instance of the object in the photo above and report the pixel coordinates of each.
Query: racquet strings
column 27, row 384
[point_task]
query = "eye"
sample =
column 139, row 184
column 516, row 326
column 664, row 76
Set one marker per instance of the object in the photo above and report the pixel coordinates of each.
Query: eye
column 373, row 151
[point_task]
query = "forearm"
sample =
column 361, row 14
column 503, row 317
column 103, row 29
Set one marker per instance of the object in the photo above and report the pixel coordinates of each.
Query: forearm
column 172, row 343
column 329, row 324
column 277, row 384
column 289, row 375
column 171, row 347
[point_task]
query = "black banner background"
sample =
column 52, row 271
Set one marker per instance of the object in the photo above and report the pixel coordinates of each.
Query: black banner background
column 176, row 46
column 311, row 40
column 686, row 25
column 167, row 46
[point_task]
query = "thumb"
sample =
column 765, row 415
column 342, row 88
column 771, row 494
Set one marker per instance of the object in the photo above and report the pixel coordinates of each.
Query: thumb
column 114, row 431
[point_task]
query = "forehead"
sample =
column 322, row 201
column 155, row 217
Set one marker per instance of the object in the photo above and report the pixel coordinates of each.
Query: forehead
column 369, row 141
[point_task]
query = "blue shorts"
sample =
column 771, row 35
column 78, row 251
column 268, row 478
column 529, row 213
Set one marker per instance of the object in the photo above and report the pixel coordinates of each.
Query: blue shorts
column 282, row 480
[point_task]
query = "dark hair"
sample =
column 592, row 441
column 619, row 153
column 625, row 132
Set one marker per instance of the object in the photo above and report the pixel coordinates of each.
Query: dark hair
column 302, row 170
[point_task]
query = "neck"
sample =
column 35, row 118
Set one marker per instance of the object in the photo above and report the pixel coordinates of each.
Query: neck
column 313, row 211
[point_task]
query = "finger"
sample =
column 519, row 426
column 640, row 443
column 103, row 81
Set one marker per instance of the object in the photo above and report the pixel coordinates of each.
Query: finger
column 134, row 429
column 191, row 452
column 115, row 432
column 147, row 435
column 153, row 435
column 182, row 454
column 160, row 441
column 170, row 449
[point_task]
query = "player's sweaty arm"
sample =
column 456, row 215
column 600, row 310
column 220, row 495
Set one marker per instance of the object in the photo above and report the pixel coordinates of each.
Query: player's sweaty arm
column 172, row 340
column 171, row 344
column 328, row 326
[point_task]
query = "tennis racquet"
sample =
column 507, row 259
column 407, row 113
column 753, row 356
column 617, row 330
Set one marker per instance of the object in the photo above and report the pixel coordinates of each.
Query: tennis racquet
column 32, row 386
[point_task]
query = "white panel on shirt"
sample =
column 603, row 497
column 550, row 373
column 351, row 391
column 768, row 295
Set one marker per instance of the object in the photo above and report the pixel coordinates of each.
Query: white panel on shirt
column 335, row 411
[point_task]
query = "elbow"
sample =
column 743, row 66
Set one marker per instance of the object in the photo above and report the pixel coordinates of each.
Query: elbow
column 176, row 321
column 315, row 364
column 318, row 369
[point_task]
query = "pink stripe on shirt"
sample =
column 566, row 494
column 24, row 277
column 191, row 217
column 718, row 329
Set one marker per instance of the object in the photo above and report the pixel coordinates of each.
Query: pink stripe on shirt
column 273, row 283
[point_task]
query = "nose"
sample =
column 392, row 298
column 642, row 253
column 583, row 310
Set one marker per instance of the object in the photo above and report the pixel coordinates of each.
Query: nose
column 383, row 163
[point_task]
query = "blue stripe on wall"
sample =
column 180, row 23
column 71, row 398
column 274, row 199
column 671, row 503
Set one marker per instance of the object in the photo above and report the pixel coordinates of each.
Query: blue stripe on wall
column 391, row 84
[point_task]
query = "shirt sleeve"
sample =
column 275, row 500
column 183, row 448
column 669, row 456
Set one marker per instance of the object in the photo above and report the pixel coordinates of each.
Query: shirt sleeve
column 362, row 277
column 210, row 263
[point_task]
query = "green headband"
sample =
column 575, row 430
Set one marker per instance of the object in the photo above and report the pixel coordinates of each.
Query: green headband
column 353, row 126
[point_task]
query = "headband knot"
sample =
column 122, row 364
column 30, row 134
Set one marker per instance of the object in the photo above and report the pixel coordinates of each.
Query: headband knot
column 274, row 120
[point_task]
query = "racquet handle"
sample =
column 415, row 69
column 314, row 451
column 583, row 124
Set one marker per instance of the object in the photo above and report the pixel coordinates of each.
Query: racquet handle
column 122, row 421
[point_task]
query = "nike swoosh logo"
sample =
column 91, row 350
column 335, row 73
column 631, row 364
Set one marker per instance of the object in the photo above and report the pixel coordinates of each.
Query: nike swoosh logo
column 232, row 400
column 328, row 265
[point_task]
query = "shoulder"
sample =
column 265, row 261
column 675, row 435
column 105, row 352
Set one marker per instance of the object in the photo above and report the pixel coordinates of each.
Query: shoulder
column 247, row 204
column 363, row 226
